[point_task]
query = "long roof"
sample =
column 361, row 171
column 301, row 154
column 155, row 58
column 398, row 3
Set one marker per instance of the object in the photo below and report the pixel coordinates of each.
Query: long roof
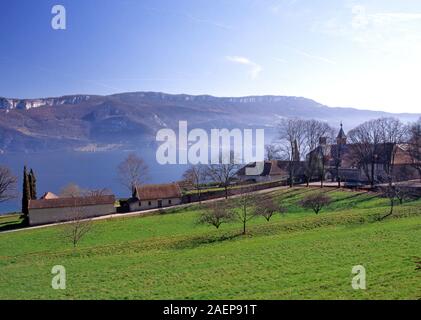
column 71, row 202
column 158, row 191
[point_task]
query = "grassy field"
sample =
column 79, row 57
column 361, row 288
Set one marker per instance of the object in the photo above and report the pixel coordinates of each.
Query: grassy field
column 295, row 256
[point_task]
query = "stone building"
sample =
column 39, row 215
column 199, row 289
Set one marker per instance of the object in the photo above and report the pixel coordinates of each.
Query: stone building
column 53, row 209
column 155, row 196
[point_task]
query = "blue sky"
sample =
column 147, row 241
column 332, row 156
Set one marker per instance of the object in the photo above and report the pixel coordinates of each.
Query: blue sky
column 363, row 54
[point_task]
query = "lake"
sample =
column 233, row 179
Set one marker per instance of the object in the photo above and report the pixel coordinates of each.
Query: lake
column 95, row 170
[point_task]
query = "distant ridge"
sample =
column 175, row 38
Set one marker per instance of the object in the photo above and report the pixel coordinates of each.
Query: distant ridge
column 86, row 122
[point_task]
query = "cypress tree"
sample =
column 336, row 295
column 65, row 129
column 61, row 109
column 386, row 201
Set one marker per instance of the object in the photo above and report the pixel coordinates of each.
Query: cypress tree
column 30, row 185
column 33, row 185
column 26, row 193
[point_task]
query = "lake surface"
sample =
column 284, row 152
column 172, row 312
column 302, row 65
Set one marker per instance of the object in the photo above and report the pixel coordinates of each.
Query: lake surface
column 95, row 170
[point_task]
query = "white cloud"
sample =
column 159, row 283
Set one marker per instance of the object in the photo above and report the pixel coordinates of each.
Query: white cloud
column 254, row 68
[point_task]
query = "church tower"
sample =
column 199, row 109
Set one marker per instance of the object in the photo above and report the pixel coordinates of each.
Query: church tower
column 341, row 138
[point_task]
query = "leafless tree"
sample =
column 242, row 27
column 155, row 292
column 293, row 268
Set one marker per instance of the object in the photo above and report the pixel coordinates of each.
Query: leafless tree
column 195, row 176
column 71, row 190
column 272, row 152
column 244, row 208
column 132, row 172
column 267, row 207
column 392, row 133
column 316, row 201
column 390, row 192
column 291, row 135
column 403, row 193
column 7, row 184
column 324, row 159
column 216, row 213
column 318, row 135
column 78, row 225
column 97, row 193
column 375, row 141
column 415, row 146
column 396, row 192
column 366, row 147
column 223, row 173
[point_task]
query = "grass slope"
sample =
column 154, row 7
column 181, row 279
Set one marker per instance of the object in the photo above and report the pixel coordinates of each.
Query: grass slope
column 296, row 256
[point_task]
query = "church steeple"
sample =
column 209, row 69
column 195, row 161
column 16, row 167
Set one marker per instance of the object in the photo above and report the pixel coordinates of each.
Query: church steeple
column 341, row 138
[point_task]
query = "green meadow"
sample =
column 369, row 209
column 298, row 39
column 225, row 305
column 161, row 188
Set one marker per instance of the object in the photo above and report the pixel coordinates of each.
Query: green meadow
column 297, row 255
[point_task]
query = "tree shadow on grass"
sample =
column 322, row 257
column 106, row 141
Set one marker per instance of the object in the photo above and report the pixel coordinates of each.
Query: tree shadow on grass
column 12, row 225
column 204, row 240
column 353, row 196
column 294, row 193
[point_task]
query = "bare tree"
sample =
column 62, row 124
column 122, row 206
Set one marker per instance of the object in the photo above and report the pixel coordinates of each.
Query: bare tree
column 71, row 190
column 316, row 201
column 78, row 226
column 7, row 184
column 317, row 136
column 245, row 208
column 267, row 207
column 366, row 147
column 375, row 142
column 415, row 146
column 291, row 134
column 223, row 173
column 195, row 176
column 392, row 133
column 389, row 192
column 272, row 152
column 215, row 214
column 132, row 172
column 98, row 192
column 404, row 193
column 323, row 163
column 395, row 192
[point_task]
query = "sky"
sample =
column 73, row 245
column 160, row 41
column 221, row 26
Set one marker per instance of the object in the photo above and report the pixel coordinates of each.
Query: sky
column 343, row 53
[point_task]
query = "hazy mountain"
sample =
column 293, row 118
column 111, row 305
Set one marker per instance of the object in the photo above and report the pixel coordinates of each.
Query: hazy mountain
column 92, row 122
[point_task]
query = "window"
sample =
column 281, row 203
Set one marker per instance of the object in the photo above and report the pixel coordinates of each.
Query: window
column 140, row 203
column 149, row 203
column 169, row 201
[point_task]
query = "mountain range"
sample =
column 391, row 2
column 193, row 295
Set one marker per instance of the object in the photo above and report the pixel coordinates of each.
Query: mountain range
column 130, row 120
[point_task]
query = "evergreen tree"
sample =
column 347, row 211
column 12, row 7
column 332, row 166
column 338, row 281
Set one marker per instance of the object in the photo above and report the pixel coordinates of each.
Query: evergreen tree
column 33, row 185
column 26, row 192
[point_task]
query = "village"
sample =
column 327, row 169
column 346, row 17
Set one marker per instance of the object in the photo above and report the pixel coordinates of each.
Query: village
column 331, row 161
